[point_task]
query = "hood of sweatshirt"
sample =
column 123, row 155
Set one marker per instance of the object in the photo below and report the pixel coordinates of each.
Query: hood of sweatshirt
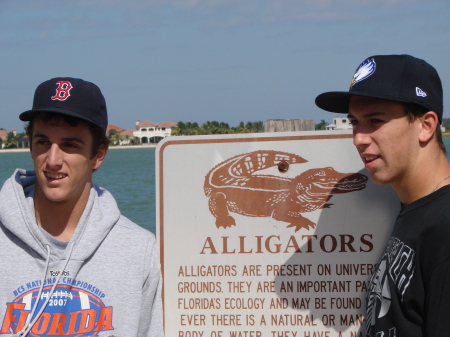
column 99, row 217
column 18, row 217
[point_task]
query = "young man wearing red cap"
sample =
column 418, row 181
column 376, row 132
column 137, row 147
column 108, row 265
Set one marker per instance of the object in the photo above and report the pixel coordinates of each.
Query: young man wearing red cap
column 71, row 264
column 395, row 104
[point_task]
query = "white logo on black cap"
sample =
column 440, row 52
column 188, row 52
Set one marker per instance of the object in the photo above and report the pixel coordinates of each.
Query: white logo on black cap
column 420, row 92
column 364, row 70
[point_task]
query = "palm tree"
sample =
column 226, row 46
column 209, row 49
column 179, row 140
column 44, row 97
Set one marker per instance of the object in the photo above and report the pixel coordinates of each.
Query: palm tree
column 241, row 128
column 111, row 133
column 10, row 140
column 116, row 138
column 258, row 126
column 321, row 125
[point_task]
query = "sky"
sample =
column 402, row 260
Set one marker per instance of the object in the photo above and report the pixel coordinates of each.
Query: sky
column 210, row 60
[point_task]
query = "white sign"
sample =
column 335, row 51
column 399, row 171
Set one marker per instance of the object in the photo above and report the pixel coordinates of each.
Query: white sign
column 267, row 235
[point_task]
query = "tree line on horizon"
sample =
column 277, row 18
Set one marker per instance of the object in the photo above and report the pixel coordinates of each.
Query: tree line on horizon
column 215, row 128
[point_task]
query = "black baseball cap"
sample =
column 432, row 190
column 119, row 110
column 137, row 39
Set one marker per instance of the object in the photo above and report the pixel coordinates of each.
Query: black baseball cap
column 400, row 78
column 69, row 96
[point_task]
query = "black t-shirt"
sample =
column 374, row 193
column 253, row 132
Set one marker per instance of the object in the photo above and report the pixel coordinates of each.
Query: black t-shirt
column 409, row 293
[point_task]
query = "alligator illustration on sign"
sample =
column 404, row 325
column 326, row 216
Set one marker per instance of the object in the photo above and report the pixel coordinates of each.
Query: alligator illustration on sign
column 234, row 185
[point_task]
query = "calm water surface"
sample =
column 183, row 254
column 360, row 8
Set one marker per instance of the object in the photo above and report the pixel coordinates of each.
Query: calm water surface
column 129, row 174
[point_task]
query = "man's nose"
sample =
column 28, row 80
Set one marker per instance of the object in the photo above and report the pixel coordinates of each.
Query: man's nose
column 54, row 156
column 360, row 136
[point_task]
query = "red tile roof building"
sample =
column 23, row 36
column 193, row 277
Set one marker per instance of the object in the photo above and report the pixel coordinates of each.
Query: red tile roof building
column 149, row 132
column 146, row 132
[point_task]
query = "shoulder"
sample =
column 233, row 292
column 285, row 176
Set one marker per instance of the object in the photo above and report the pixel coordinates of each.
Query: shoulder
column 132, row 243
column 436, row 212
column 433, row 235
column 435, row 215
column 429, row 210
column 129, row 228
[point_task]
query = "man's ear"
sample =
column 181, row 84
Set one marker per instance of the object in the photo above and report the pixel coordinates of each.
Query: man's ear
column 99, row 157
column 429, row 122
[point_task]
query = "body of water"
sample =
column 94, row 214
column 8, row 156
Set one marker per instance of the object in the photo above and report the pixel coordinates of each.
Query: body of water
column 129, row 174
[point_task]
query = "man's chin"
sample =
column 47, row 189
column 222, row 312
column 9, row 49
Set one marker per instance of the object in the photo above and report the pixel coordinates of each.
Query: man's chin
column 376, row 179
column 53, row 196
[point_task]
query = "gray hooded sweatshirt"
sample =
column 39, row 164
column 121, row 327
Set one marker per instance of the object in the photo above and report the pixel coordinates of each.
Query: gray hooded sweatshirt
column 105, row 281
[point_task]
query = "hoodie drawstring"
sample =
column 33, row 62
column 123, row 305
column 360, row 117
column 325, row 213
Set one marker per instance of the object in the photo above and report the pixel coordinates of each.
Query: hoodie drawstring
column 29, row 325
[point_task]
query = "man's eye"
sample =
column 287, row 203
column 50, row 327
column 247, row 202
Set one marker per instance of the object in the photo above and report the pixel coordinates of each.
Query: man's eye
column 353, row 122
column 376, row 121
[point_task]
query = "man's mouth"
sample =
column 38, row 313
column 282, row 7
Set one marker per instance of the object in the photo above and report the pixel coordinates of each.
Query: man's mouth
column 55, row 175
column 368, row 159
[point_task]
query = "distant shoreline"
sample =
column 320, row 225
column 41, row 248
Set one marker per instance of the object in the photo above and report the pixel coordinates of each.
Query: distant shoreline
column 117, row 147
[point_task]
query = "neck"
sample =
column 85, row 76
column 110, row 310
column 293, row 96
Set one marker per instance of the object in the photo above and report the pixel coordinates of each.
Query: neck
column 424, row 179
column 59, row 219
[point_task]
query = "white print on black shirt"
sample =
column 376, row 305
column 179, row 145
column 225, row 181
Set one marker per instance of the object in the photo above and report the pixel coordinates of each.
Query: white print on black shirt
column 397, row 263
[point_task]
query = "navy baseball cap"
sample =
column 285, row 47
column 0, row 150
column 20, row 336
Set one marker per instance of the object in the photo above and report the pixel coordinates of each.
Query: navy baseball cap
column 69, row 96
column 400, row 78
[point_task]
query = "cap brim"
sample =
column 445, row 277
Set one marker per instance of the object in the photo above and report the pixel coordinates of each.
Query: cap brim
column 28, row 115
column 334, row 101
column 338, row 101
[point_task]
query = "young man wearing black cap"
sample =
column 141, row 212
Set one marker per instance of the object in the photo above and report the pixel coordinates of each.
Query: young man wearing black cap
column 395, row 104
column 71, row 263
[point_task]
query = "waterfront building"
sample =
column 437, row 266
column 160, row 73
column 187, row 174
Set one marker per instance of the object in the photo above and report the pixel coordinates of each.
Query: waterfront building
column 339, row 123
column 23, row 142
column 115, row 128
column 121, row 136
column 149, row 132
column 283, row 125
column 3, row 138
column 11, row 139
column 146, row 132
